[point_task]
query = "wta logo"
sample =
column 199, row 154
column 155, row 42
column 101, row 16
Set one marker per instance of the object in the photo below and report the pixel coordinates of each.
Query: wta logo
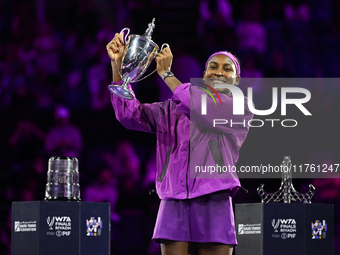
column 50, row 222
column 275, row 225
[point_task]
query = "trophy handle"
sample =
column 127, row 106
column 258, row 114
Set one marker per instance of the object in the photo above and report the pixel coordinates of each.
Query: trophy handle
column 124, row 39
column 127, row 34
column 164, row 44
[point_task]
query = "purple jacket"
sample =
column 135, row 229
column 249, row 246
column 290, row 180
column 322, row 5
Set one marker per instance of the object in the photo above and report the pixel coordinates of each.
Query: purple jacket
column 178, row 160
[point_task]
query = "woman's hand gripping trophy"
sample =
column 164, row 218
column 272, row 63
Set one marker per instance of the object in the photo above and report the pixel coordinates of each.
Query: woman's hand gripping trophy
column 164, row 61
column 115, row 50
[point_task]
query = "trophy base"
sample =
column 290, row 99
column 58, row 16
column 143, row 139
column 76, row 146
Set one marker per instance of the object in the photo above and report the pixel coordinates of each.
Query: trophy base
column 121, row 91
column 63, row 199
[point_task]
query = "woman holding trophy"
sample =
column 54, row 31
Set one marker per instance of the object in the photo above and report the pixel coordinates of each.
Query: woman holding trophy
column 195, row 213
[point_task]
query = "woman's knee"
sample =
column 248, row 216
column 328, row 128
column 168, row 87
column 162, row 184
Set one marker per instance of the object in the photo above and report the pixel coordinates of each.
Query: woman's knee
column 169, row 247
column 215, row 249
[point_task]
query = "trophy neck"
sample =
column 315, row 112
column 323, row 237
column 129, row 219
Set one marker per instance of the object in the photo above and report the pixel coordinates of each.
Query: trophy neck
column 149, row 30
column 135, row 39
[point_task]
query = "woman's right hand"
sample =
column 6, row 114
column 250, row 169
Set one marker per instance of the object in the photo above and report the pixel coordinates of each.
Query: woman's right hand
column 115, row 48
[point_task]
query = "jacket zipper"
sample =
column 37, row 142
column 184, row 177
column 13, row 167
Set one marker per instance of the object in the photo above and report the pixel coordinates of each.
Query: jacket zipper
column 187, row 185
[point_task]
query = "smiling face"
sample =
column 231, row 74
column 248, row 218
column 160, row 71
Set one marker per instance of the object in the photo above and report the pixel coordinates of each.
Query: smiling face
column 221, row 70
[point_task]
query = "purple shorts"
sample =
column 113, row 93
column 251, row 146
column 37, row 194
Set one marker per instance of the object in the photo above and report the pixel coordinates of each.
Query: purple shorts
column 207, row 218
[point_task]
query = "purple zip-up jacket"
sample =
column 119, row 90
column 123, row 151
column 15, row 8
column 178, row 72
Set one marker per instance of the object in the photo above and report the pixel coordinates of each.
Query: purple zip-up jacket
column 177, row 176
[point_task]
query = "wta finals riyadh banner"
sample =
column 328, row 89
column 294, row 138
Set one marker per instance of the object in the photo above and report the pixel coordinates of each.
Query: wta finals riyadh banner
column 246, row 130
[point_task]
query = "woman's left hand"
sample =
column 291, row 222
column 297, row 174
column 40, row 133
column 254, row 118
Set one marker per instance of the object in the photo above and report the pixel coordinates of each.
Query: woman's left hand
column 164, row 61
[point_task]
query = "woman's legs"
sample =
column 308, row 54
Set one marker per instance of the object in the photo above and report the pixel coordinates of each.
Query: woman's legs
column 169, row 247
column 214, row 249
column 174, row 247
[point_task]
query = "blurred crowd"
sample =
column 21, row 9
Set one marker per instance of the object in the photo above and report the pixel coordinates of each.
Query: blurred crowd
column 54, row 73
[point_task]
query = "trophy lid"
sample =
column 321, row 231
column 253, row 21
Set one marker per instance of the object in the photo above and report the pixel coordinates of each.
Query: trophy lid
column 63, row 164
column 149, row 30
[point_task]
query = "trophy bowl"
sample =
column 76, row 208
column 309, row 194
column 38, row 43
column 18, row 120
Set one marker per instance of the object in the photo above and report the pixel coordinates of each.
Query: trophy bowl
column 139, row 52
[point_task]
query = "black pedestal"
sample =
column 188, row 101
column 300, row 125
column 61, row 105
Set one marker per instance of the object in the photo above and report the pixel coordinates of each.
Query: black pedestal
column 281, row 229
column 55, row 227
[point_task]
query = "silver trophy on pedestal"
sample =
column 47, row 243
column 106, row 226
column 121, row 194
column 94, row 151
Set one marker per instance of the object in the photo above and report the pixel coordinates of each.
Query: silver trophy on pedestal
column 62, row 179
column 139, row 52
column 286, row 192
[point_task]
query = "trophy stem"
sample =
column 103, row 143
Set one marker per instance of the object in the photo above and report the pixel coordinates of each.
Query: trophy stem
column 121, row 90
